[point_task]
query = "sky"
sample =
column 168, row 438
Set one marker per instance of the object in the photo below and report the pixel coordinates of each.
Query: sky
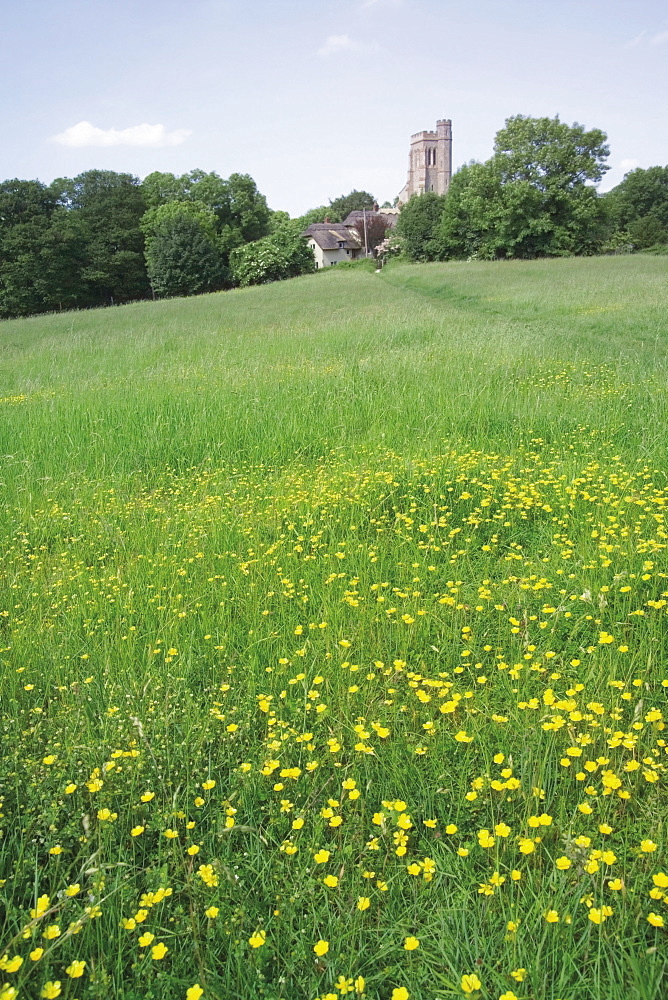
column 313, row 98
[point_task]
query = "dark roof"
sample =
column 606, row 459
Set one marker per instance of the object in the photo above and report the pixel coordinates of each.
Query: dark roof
column 328, row 235
column 353, row 218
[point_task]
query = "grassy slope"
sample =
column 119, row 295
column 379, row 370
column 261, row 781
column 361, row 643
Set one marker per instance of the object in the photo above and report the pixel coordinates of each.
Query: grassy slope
column 193, row 487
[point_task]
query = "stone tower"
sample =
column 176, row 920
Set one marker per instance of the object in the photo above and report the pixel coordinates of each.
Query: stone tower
column 429, row 161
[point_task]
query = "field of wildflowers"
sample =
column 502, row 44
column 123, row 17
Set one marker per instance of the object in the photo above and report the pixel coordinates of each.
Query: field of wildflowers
column 333, row 640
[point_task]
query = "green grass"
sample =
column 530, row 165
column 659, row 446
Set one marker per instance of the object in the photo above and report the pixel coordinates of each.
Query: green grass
column 382, row 553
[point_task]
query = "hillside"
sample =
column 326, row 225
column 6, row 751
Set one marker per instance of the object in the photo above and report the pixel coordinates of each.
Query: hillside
column 334, row 642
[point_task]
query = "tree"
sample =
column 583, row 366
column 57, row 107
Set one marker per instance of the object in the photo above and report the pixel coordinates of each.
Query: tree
column 639, row 206
column 182, row 257
column 372, row 228
column 533, row 198
column 317, row 215
column 41, row 252
column 241, row 212
column 347, row 203
column 108, row 208
column 418, row 225
column 283, row 254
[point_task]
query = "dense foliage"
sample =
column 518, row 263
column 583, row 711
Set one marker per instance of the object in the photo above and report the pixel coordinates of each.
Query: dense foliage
column 283, row 254
column 639, row 207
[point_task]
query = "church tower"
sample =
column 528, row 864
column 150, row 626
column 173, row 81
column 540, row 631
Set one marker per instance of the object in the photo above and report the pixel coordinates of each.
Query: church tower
column 429, row 162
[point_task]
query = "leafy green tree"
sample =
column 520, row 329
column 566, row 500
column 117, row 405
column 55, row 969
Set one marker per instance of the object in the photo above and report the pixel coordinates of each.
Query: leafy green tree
column 533, row 198
column 647, row 231
column 108, row 208
column 418, row 224
column 159, row 188
column 317, row 215
column 283, row 254
column 353, row 202
column 639, row 206
column 182, row 256
column 277, row 220
column 241, row 212
column 41, row 251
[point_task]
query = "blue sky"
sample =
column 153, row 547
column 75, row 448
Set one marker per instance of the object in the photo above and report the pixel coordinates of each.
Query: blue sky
column 315, row 97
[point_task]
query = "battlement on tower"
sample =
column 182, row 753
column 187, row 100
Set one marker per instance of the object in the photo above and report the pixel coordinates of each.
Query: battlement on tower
column 423, row 136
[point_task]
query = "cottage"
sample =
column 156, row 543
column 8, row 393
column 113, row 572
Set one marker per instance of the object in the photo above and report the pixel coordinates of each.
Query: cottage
column 332, row 242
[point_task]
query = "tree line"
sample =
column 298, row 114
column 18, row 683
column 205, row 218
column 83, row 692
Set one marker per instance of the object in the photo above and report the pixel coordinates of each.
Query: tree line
column 535, row 198
column 106, row 238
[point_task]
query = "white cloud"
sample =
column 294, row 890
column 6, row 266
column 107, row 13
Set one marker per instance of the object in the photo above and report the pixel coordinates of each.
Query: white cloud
column 336, row 44
column 84, row 134
column 630, row 164
column 659, row 39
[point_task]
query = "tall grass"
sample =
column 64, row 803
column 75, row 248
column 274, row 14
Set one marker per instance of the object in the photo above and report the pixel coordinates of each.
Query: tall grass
column 357, row 578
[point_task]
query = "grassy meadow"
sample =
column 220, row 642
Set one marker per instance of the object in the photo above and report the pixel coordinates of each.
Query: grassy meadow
column 333, row 640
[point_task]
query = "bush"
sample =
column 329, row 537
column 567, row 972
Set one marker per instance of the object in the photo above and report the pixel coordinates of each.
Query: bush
column 284, row 254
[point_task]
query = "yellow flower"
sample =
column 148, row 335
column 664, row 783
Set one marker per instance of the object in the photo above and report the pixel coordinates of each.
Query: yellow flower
column 159, row 951
column 51, row 932
column 171, row 834
column 400, row 993
column 598, row 915
column 359, row 984
column 70, row 788
column 192, row 850
column 51, row 990
column 411, row 943
column 194, row 992
column 145, row 939
column 212, row 912
column 76, row 969
column 552, row 917
column 655, row 920
column 563, row 863
column 502, row 830
column 470, row 983
column 485, row 839
column 137, row 831
column 508, row 995
column 257, row 939
column 647, row 846
column 147, row 796
column 56, row 850
column 363, row 903
column 40, row 909
column 451, row 828
column 11, row 964
column 331, row 881
column 321, row 857
column 72, row 890
column 208, row 784
column 36, row 954
column 519, row 975
column 321, row 948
